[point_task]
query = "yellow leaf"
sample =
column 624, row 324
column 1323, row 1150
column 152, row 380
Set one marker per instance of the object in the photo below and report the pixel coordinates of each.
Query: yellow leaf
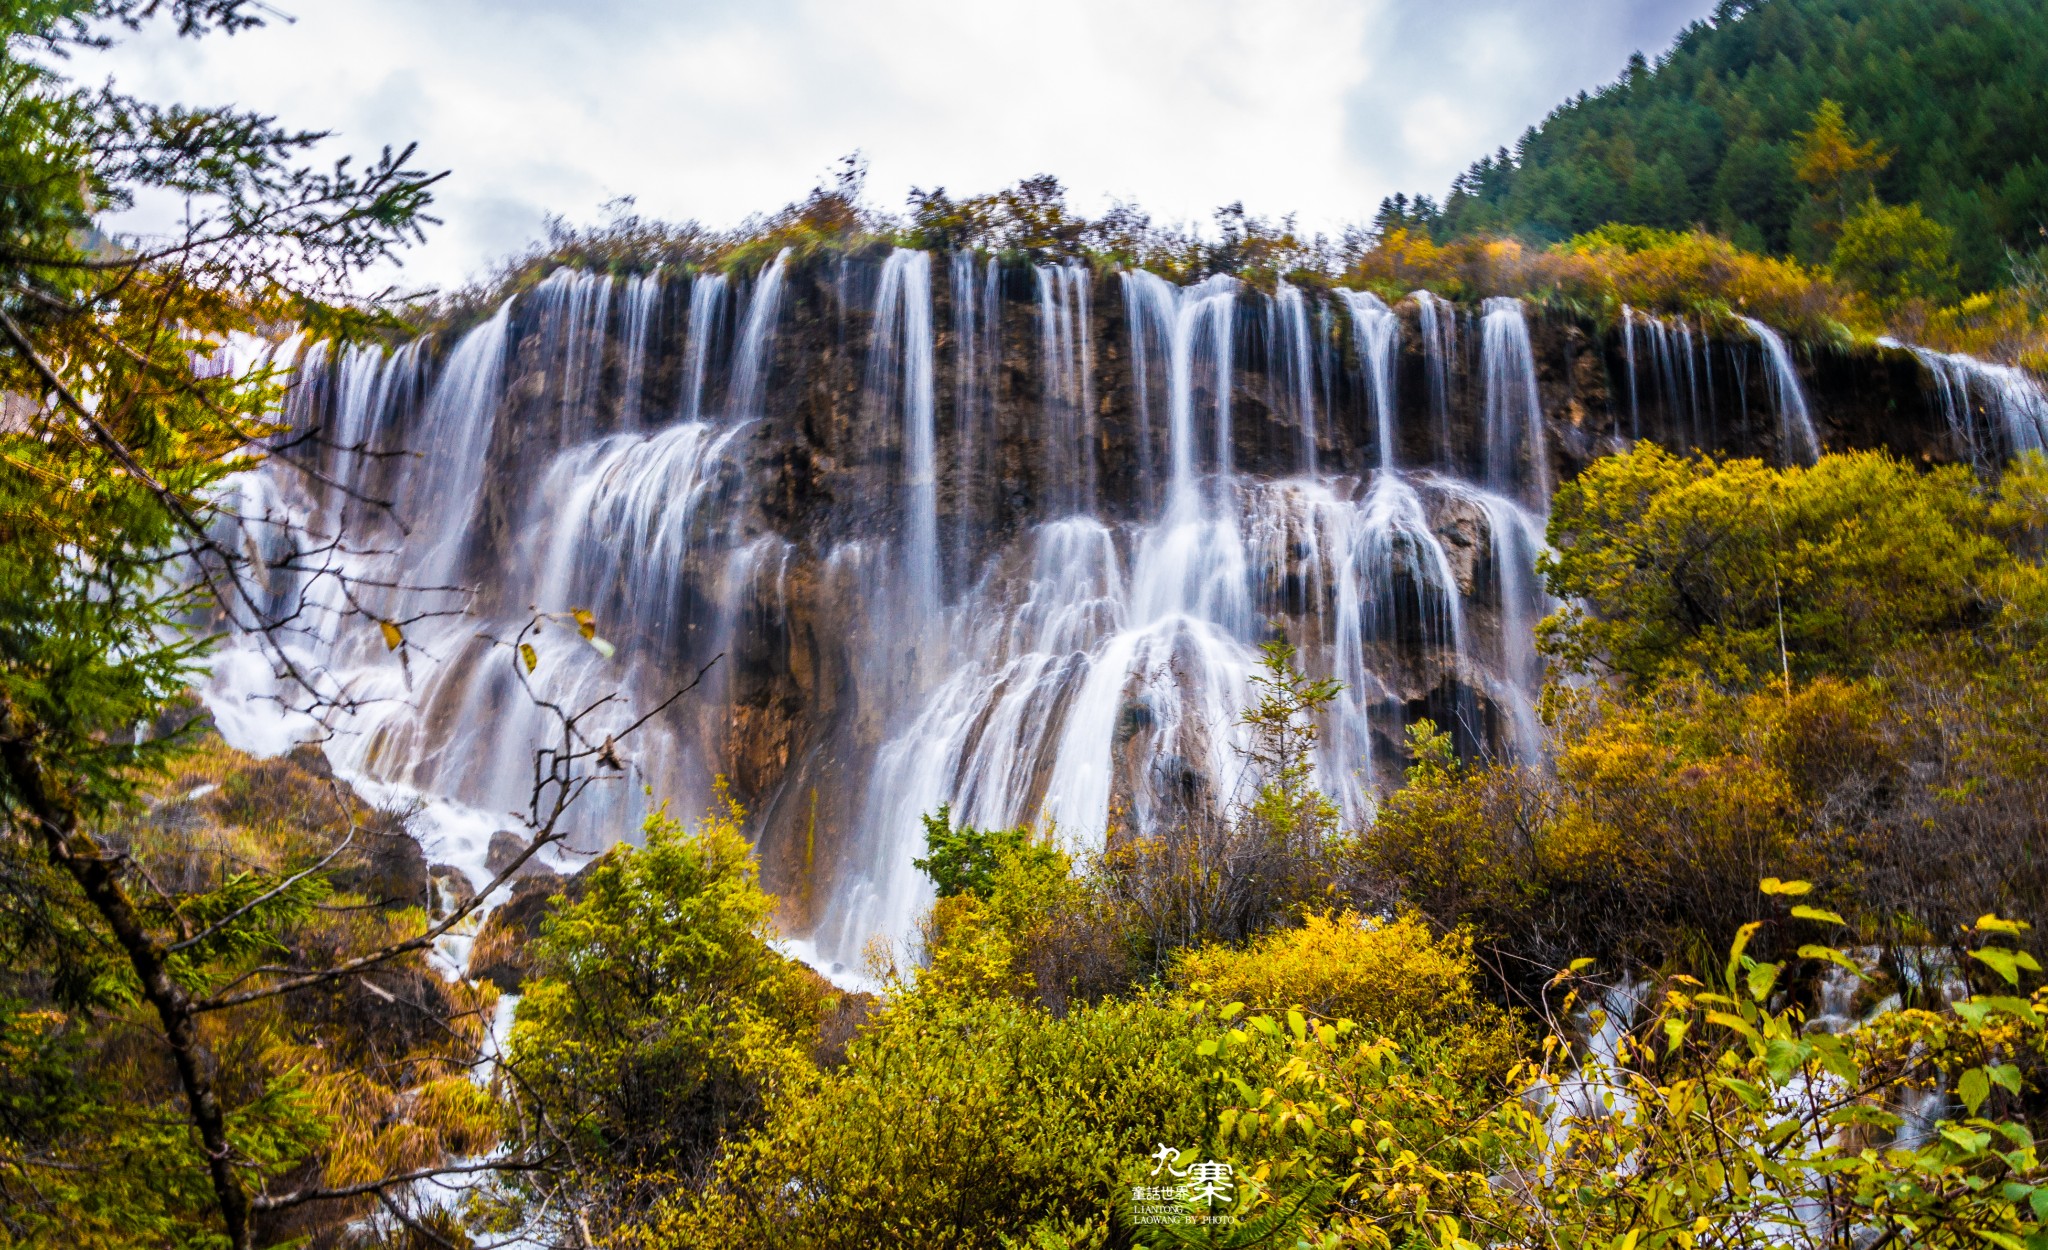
column 528, row 654
column 1990, row 922
column 1816, row 913
column 393, row 636
column 585, row 622
column 1771, row 885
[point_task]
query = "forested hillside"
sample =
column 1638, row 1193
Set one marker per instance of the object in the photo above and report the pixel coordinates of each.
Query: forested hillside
column 1954, row 93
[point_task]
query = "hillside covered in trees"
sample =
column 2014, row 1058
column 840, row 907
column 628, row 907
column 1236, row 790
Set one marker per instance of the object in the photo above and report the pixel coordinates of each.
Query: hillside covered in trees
column 1952, row 94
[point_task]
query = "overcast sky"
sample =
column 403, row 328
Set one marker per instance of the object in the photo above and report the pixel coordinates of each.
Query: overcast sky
column 714, row 109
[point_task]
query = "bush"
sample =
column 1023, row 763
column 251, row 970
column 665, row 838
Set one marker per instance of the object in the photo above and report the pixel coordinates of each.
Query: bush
column 960, row 1123
column 1393, row 977
column 658, row 1018
column 1894, row 253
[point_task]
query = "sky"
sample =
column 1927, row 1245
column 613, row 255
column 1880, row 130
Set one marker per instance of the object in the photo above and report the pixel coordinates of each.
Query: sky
column 715, row 109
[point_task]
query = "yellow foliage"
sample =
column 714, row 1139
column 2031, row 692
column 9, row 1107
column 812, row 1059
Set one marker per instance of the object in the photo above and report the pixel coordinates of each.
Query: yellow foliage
column 1393, row 976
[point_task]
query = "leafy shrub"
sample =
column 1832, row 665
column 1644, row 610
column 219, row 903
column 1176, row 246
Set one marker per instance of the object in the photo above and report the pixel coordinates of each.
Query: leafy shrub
column 959, row 1123
column 658, row 1018
column 1394, row 977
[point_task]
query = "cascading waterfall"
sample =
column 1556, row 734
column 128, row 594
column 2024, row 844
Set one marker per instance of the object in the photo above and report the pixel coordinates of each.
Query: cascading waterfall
column 974, row 361
column 1628, row 355
column 1288, row 337
column 575, row 311
column 900, row 376
column 750, row 370
column 1515, row 455
column 707, row 305
column 1378, row 333
column 439, row 500
column 1995, row 412
column 1796, row 436
column 643, row 296
column 1067, row 371
column 1438, row 319
column 1085, row 673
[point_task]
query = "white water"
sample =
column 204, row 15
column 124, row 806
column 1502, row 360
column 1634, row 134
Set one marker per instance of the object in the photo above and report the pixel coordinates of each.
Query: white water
column 1066, row 377
column 1995, row 412
column 1085, row 675
column 1438, row 320
column 1378, row 333
column 900, row 376
column 1516, row 460
column 1293, row 351
column 1796, row 437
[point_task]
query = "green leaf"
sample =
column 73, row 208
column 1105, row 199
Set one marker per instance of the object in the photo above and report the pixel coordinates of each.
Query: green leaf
column 1761, row 978
column 1974, row 1088
column 602, row 647
column 2005, row 963
column 2006, row 1076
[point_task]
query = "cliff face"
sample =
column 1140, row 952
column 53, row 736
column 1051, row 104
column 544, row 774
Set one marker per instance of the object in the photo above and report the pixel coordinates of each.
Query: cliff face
column 1007, row 538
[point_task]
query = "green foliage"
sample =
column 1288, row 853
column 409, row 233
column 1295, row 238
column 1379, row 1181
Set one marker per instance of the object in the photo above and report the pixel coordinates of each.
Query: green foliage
column 1719, row 131
column 1893, row 254
column 1741, row 572
column 658, row 1017
column 1282, row 721
column 964, row 860
column 1738, row 1121
column 961, row 1122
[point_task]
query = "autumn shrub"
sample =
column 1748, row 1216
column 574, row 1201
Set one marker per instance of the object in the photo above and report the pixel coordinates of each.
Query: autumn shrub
column 1396, row 977
column 657, row 1021
column 1743, row 572
column 960, row 1122
column 1724, row 1115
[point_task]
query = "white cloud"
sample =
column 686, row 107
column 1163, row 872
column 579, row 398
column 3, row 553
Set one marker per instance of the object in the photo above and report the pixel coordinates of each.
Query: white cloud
column 714, row 110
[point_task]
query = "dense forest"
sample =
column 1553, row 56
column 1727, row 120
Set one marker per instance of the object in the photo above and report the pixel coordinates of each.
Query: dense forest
column 1747, row 955
column 1952, row 93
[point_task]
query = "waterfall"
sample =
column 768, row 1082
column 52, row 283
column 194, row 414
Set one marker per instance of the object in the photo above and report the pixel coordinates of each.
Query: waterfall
column 750, row 358
column 1515, row 540
column 1515, row 454
column 900, row 377
column 1995, row 412
column 970, row 395
column 575, row 316
column 1293, row 350
column 643, row 293
column 628, row 515
column 1438, row 318
column 1628, row 354
column 1796, row 437
column 1378, row 332
column 1066, row 372
column 439, row 500
column 1087, row 671
column 707, row 303
column 1185, row 321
